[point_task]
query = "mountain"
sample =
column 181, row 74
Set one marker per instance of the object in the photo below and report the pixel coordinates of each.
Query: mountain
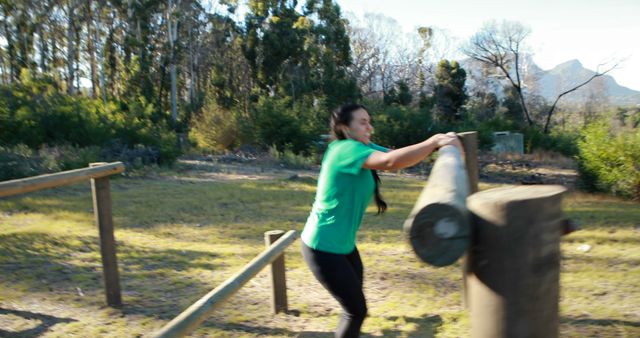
column 571, row 73
column 550, row 83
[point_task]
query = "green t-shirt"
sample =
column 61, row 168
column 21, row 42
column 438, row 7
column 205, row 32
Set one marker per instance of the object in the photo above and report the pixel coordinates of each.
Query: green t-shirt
column 344, row 192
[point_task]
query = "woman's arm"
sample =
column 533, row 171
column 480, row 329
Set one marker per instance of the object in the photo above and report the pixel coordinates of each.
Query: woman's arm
column 410, row 155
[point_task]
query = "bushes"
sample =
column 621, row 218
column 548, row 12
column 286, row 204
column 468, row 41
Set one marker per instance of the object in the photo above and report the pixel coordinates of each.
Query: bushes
column 563, row 142
column 34, row 112
column 21, row 161
column 609, row 160
column 398, row 126
column 287, row 126
column 214, row 128
column 37, row 119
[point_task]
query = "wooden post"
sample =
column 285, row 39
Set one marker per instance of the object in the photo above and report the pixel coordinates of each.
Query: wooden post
column 514, row 276
column 195, row 314
column 438, row 225
column 104, row 220
column 470, row 145
column 277, row 275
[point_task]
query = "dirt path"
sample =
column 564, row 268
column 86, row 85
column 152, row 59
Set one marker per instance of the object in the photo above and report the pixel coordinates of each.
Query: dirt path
column 541, row 168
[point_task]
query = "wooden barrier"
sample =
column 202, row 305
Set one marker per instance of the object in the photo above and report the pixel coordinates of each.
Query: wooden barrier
column 470, row 145
column 438, row 225
column 25, row 185
column 277, row 275
column 99, row 174
column 195, row 314
column 514, row 272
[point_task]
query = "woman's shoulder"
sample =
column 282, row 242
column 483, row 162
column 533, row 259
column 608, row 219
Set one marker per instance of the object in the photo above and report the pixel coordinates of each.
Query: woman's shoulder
column 346, row 143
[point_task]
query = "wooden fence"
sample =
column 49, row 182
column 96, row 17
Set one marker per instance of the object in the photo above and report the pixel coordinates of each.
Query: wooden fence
column 195, row 314
column 99, row 174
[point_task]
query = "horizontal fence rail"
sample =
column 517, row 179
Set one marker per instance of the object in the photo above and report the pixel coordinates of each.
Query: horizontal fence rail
column 25, row 185
column 195, row 314
column 98, row 173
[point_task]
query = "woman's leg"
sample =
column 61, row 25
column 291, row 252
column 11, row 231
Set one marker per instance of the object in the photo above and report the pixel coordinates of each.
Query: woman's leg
column 356, row 263
column 344, row 281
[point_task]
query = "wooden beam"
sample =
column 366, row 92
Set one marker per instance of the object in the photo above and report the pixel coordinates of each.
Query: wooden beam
column 195, row 314
column 25, row 185
column 438, row 226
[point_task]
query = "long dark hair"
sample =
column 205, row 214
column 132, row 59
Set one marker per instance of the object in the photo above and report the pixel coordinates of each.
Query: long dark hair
column 340, row 120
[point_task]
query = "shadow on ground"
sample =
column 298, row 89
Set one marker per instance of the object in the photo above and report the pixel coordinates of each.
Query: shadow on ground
column 44, row 323
column 426, row 327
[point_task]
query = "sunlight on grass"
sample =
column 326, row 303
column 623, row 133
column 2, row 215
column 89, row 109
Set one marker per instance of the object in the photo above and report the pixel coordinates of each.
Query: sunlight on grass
column 179, row 239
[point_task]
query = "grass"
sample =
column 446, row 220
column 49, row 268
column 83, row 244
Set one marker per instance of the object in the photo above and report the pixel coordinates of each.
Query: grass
column 178, row 237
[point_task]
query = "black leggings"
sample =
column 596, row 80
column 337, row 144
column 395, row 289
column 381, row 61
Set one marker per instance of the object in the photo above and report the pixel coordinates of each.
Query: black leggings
column 342, row 276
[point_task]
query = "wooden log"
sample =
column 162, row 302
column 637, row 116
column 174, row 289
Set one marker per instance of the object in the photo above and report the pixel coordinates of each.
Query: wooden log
column 438, row 225
column 470, row 144
column 277, row 275
column 513, row 278
column 195, row 314
column 24, row 185
column 104, row 220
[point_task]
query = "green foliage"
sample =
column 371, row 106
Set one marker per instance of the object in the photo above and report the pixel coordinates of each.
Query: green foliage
column 609, row 159
column 511, row 102
column 398, row 126
column 482, row 106
column 449, row 91
column 278, row 122
column 21, row 161
column 34, row 112
column 214, row 128
column 292, row 160
column 399, row 94
column 563, row 142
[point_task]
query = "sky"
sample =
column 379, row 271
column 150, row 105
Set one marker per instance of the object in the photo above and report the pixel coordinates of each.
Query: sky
column 591, row 31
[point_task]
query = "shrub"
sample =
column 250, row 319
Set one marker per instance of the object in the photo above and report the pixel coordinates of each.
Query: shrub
column 563, row 142
column 609, row 160
column 21, row 161
column 214, row 128
column 280, row 123
column 34, row 112
column 398, row 126
column 289, row 159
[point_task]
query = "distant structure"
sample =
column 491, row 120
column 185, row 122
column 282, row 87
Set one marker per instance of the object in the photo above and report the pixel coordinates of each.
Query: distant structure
column 508, row 142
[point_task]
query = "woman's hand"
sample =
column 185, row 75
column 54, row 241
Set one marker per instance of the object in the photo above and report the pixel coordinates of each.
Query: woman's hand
column 448, row 139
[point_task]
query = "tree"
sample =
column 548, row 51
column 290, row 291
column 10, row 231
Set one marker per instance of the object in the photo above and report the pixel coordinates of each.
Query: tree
column 449, row 91
column 172, row 32
column 399, row 94
column 501, row 47
column 597, row 74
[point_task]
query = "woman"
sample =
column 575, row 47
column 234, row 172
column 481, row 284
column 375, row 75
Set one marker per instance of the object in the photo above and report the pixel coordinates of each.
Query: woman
column 347, row 181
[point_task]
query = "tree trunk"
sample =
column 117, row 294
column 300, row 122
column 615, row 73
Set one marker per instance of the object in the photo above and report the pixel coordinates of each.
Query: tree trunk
column 13, row 68
column 91, row 50
column 192, row 72
column 174, row 106
column 43, row 49
column 100, row 52
column 524, row 106
column 172, row 28
column 70, row 47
